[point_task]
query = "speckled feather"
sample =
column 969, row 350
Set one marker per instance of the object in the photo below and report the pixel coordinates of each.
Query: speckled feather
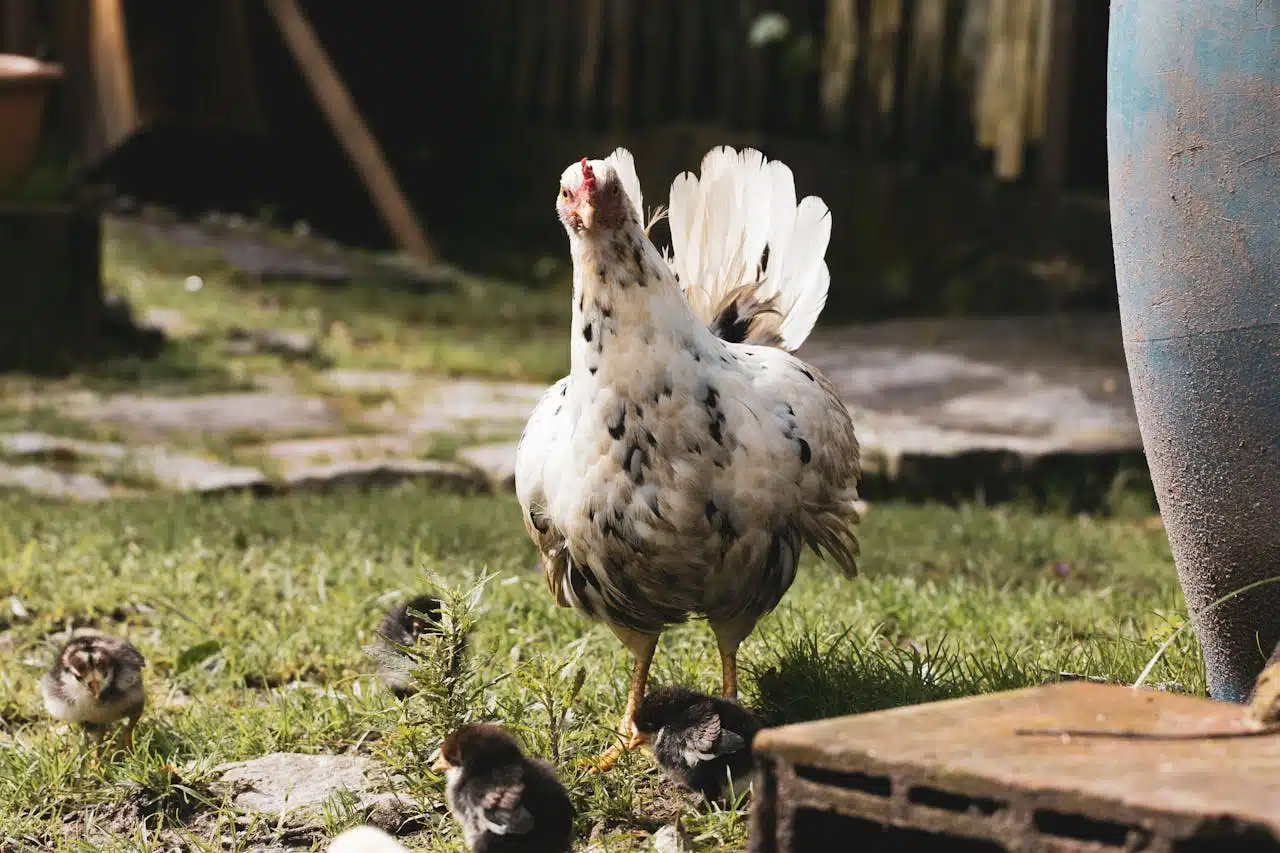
column 673, row 473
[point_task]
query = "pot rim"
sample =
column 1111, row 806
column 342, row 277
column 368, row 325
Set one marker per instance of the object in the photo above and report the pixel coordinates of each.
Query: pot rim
column 16, row 70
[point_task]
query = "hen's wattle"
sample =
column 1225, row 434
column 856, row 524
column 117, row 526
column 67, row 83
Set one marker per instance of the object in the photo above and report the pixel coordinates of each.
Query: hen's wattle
column 677, row 472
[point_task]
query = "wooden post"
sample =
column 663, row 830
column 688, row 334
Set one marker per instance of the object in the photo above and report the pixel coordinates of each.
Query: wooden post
column 336, row 103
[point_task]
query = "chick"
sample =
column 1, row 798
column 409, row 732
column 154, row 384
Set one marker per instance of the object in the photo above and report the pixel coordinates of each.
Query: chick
column 700, row 741
column 503, row 800
column 366, row 839
column 400, row 627
column 95, row 681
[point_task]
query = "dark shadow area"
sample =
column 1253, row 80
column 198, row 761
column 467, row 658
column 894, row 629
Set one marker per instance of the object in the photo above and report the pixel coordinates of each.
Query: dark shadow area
column 815, row 830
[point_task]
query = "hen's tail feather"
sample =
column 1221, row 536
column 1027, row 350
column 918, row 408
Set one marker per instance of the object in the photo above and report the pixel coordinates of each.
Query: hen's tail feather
column 829, row 532
column 745, row 317
column 738, row 237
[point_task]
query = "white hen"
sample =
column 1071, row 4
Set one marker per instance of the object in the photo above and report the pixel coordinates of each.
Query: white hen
column 688, row 456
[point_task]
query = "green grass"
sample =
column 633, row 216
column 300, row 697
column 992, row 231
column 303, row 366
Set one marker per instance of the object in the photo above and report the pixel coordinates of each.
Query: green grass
column 476, row 326
column 235, row 600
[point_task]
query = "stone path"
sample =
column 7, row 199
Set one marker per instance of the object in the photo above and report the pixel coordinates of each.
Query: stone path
column 933, row 401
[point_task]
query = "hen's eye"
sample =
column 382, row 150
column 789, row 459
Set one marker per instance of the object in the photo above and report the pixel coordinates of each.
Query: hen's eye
column 565, row 194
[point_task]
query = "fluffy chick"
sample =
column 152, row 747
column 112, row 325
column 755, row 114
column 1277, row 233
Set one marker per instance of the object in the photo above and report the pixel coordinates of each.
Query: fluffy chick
column 400, row 627
column 366, row 839
column 96, row 681
column 503, row 800
column 699, row 741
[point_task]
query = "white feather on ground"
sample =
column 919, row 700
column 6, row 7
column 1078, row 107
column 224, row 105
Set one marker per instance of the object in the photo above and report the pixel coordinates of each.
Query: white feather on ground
column 366, row 839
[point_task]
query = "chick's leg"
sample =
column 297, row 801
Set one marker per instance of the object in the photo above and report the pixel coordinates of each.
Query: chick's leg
column 729, row 635
column 643, row 647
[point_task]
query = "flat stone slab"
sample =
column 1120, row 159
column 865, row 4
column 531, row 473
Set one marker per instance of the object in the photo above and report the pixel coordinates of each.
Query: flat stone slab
column 163, row 466
column 293, row 455
column 1013, row 768
column 482, row 410
column 215, row 414
column 1029, row 387
column 386, row 472
column 295, row 788
column 60, row 485
column 369, row 381
column 497, row 461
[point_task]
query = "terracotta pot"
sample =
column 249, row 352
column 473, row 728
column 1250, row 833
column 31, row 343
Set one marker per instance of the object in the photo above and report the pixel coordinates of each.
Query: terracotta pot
column 24, row 87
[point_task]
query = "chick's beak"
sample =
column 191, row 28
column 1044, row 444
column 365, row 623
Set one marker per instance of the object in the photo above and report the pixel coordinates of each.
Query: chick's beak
column 94, row 685
column 440, row 764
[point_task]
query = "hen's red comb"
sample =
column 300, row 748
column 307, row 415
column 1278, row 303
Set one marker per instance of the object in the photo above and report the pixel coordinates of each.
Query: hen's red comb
column 588, row 176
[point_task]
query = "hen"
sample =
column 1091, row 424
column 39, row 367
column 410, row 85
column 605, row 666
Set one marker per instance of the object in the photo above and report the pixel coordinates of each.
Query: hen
column 686, row 458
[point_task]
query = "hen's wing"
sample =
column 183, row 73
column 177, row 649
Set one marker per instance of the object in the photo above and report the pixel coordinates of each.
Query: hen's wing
column 500, row 807
column 533, row 455
column 751, row 261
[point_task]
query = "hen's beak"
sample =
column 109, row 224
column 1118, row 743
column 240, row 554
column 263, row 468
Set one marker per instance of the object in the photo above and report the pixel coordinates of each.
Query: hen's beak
column 440, row 764
column 586, row 214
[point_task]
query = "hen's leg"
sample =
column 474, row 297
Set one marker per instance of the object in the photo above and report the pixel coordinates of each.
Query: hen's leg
column 729, row 635
column 643, row 647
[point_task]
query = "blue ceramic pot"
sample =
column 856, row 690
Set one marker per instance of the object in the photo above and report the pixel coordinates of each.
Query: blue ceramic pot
column 1193, row 140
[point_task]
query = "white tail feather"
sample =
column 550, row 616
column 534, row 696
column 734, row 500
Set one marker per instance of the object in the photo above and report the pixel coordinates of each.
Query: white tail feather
column 721, row 224
column 624, row 166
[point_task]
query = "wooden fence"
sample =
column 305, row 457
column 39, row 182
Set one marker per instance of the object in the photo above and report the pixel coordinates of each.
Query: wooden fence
column 928, row 78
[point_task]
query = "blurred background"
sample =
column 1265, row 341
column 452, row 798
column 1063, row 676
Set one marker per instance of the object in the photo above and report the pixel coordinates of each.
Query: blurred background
column 959, row 143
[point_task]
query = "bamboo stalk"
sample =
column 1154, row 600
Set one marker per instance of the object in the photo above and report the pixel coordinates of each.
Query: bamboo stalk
column 1055, row 142
column 1042, row 50
column 112, row 71
column 882, row 55
column 527, row 33
column 839, row 54
column 621, row 82
column 656, row 60
column 557, row 56
column 589, row 71
column 690, row 61
column 336, row 104
column 924, row 71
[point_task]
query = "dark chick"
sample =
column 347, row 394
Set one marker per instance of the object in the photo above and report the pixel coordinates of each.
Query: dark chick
column 698, row 740
column 502, row 800
column 403, row 627
column 96, row 681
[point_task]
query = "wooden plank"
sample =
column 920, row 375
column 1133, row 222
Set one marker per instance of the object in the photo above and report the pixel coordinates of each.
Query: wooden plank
column 592, row 47
column 885, row 29
column 528, row 49
column 925, row 57
column 78, row 94
column 657, row 60
column 112, row 72
column 620, row 77
column 553, row 85
column 839, row 55
column 17, row 19
column 340, row 110
column 1055, row 141
column 690, row 76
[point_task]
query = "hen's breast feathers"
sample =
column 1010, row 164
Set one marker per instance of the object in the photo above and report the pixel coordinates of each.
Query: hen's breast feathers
column 696, row 497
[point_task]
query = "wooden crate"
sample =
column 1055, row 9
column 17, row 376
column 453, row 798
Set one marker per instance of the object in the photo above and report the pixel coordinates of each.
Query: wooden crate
column 957, row 776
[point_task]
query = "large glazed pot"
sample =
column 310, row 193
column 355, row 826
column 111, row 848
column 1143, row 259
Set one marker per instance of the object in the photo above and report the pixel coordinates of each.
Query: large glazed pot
column 1193, row 136
column 24, row 88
